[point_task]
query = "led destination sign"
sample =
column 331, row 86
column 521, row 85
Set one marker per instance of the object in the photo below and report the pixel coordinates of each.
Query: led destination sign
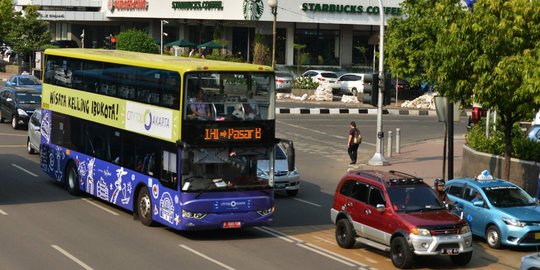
column 232, row 134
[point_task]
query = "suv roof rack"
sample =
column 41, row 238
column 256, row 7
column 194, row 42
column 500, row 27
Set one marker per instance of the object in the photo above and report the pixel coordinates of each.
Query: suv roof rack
column 411, row 179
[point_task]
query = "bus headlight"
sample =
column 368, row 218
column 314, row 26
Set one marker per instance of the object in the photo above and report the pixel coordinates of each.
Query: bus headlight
column 194, row 215
column 266, row 211
column 420, row 231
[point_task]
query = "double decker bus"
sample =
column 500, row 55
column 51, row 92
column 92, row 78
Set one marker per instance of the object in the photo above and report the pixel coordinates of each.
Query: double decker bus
column 175, row 140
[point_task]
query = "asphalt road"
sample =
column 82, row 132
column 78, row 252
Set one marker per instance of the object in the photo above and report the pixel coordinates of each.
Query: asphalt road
column 43, row 227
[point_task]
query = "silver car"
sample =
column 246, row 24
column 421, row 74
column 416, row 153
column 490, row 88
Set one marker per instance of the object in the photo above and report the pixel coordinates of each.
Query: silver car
column 530, row 262
column 34, row 132
column 284, row 82
column 284, row 180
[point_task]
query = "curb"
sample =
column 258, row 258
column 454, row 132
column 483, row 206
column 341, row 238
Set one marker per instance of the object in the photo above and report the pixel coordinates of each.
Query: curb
column 354, row 111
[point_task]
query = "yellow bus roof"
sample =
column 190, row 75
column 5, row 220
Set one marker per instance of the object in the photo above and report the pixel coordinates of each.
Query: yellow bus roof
column 157, row 61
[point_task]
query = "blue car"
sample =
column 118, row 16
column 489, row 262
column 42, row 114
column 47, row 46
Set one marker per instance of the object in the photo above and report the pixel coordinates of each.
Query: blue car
column 24, row 80
column 497, row 210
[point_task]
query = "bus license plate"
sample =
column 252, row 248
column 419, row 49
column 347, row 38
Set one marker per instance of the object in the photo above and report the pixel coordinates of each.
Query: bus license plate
column 232, row 224
column 449, row 251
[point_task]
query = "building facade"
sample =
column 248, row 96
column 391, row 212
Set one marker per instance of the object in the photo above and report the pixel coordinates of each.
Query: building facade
column 340, row 33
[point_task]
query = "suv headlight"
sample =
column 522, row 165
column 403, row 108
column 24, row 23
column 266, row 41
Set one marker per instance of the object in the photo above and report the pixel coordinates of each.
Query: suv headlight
column 295, row 172
column 194, row 215
column 513, row 222
column 22, row 112
column 421, row 232
column 465, row 229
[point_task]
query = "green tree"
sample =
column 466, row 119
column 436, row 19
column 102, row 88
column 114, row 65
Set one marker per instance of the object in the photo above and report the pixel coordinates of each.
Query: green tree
column 6, row 18
column 490, row 53
column 28, row 33
column 136, row 41
column 299, row 58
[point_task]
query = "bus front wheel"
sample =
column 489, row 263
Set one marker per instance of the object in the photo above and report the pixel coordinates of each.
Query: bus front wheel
column 144, row 207
column 71, row 179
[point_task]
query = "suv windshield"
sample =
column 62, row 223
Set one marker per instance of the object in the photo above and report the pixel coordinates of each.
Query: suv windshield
column 414, row 198
column 223, row 169
column 508, row 196
column 28, row 81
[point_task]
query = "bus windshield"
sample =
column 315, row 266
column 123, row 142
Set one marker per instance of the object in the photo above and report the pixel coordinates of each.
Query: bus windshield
column 228, row 96
column 223, row 169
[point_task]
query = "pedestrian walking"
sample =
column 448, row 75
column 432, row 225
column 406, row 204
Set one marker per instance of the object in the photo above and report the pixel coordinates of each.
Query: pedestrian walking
column 353, row 141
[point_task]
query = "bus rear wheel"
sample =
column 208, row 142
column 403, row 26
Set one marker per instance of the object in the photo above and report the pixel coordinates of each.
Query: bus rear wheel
column 71, row 179
column 144, row 207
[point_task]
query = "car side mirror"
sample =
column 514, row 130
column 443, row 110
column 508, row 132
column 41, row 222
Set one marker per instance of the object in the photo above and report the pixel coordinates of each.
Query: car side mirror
column 37, row 128
column 381, row 208
column 478, row 203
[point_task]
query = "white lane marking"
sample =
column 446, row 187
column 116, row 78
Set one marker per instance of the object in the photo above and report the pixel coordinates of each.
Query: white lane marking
column 24, row 170
column 206, row 257
column 12, row 134
column 3, row 213
column 325, row 240
column 337, row 255
column 73, row 258
column 304, row 201
column 334, row 244
column 305, row 128
column 274, row 233
column 325, row 255
column 282, row 234
column 100, row 207
column 12, row 145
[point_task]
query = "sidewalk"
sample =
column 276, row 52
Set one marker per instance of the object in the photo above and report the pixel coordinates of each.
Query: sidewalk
column 424, row 160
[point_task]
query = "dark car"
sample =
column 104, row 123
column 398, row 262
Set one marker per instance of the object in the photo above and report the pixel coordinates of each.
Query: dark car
column 404, row 89
column 397, row 212
column 65, row 44
column 26, row 80
column 18, row 104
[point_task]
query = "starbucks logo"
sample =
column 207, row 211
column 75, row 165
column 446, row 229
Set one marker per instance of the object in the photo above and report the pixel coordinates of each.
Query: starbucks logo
column 253, row 9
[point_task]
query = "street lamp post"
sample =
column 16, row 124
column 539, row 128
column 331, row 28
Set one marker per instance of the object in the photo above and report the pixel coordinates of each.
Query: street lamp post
column 161, row 36
column 273, row 5
column 378, row 157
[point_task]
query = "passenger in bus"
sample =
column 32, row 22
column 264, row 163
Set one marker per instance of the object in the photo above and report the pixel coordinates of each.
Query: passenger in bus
column 251, row 110
column 199, row 109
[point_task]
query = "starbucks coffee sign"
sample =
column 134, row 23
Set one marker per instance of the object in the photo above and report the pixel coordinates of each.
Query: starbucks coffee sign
column 350, row 9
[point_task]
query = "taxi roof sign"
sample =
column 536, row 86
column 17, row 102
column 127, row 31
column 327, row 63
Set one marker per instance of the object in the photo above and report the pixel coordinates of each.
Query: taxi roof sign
column 484, row 175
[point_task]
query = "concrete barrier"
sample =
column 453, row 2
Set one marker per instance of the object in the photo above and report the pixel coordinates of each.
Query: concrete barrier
column 523, row 173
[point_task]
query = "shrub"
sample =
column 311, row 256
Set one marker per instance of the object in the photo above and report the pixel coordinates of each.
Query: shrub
column 136, row 41
column 305, row 83
column 523, row 148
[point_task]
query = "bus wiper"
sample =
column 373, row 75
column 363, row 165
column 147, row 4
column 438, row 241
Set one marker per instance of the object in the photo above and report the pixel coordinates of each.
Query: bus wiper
column 217, row 182
column 204, row 189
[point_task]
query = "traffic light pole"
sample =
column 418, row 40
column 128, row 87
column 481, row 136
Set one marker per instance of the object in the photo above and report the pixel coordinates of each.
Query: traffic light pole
column 378, row 157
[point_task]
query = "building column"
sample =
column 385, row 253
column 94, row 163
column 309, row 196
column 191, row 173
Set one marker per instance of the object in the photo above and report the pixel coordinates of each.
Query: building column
column 346, row 43
column 289, row 54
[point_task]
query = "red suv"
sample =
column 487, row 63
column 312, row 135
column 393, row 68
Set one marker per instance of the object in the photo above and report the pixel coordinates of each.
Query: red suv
column 397, row 212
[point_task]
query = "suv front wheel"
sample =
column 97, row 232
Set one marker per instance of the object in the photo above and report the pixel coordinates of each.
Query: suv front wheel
column 400, row 252
column 345, row 235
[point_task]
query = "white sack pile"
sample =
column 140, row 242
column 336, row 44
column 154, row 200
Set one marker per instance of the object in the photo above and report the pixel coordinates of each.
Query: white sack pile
column 322, row 93
column 426, row 101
